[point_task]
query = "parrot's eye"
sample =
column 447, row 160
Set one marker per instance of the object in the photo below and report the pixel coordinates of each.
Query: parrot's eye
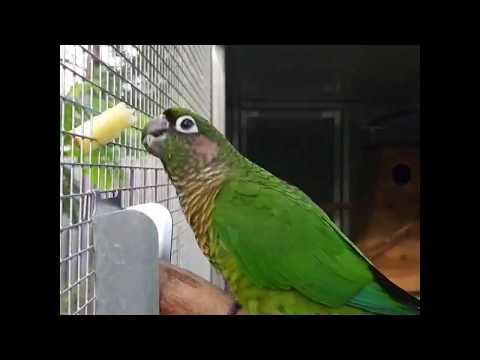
column 186, row 124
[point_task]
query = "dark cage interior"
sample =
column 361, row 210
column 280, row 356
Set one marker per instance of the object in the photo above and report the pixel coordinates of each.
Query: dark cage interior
column 342, row 123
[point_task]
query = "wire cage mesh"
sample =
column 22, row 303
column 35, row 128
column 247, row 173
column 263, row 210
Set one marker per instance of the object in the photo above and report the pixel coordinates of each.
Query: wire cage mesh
column 93, row 78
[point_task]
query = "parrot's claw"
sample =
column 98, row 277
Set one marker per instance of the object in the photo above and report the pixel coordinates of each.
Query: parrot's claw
column 234, row 308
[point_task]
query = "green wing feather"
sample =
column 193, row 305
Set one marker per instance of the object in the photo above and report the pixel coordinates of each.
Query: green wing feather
column 282, row 240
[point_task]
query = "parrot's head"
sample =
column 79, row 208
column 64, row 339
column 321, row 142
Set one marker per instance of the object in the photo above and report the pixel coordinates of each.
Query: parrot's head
column 185, row 142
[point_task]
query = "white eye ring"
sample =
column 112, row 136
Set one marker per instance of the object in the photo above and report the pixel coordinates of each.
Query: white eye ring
column 193, row 129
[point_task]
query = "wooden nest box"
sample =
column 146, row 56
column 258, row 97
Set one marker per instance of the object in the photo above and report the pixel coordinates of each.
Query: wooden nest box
column 391, row 235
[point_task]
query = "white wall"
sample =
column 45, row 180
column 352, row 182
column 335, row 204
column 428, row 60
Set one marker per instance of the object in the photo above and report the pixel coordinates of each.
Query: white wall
column 218, row 87
column 218, row 113
column 191, row 257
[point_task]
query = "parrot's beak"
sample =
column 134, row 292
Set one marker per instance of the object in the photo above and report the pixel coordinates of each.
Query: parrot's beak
column 154, row 131
column 147, row 141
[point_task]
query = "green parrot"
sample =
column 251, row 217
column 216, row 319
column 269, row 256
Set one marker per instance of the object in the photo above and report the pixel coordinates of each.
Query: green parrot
column 279, row 252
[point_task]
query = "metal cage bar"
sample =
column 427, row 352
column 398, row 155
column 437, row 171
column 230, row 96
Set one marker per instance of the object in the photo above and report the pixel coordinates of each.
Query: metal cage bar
column 93, row 78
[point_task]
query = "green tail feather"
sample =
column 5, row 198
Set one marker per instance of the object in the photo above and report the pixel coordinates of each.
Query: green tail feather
column 384, row 297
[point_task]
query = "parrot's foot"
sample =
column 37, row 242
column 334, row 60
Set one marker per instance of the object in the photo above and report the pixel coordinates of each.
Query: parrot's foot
column 234, row 308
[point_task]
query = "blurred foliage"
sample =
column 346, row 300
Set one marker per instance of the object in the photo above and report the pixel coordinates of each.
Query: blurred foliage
column 94, row 102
